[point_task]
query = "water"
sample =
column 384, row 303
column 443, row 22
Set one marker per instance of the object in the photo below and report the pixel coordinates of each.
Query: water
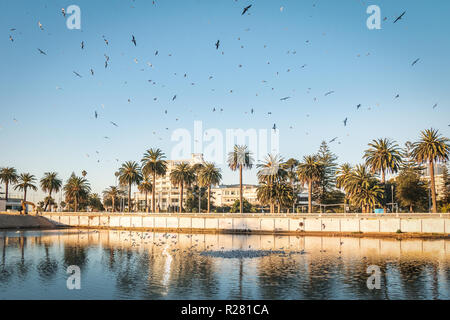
column 140, row 265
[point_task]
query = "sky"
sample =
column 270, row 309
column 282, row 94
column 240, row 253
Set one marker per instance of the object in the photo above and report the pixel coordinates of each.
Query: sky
column 297, row 49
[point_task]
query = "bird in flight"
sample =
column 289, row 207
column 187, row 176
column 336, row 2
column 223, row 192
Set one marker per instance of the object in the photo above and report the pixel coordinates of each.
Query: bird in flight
column 82, row 45
column 274, row 127
column 345, row 122
column 92, row 72
column 114, row 124
column 77, row 74
column 174, row 97
column 285, row 98
column 133, row 40
column 333, row 140
column 399, row 17
column 156, row 53
column 435, row 105
column 397, row 96
column 11, row 38
column 246, row 9
column 217, row 44
column 63, row 12
column 42, row 52
column 358, row 106
column 40, row 25
column 328, row 93
column 95, row 114
column 415, row 61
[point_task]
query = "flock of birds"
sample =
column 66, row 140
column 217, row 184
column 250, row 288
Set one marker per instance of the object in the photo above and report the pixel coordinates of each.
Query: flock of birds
column 217, row 45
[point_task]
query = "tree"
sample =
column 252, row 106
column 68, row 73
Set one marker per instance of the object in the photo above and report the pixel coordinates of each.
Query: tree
column 411, row 191
column 343, row 174
column 76, row 189
column 26, row 181
column 383, row 156
column 129, row 174
column 363, row 189
column 112, row 193
column 240, row 158
column 236, row 207
column 153, row 164
column 192, row 198
column 8, row 175
column 49, row 183
column 145, row 187
column 308, row 172
column 327, row 180
column 182, row 175
column 95, row 203
column 272, row 172
column 431, row 148
column 291, row 168
column 196, row 169
column 210, row 175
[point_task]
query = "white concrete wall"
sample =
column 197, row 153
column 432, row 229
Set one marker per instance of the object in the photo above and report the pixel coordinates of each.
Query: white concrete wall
column 255, row 224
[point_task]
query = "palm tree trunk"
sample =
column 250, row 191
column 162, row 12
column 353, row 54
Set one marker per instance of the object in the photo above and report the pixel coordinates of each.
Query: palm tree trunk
column 383, row 182
column 309, row 196
column 46, row 202
column 410, row 208
column 129, row 197
column 153, row 192
column 209, row 198
column 113, row 204
column 433, row 187
column 76, row 204
column 146, row 202
column 25, row 199
column 279, row 208
column 240, row 190
column 181, row 197
column 6, row 190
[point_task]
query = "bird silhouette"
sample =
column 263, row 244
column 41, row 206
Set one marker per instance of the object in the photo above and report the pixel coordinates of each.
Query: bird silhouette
column 246, row 9
column 399, row 17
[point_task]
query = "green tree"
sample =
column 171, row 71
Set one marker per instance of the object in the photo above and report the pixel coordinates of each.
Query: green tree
column 291, row 168
column 8, row 175
column 95, row 202
column 236, row 207
column 363, row 189
column 343, row 174
column 130, row 174
column 310, row 171
column 327, row 180
column 383, row 156
column 26, row 181
column 145, row 187
column 49, row 183
column 411, row 191
column 182, row 175
column 76, row 190
column 431, row 148
column 112, row 193
column 272, row 172
column 210, row 175
column 153, row 164
column 240, row 158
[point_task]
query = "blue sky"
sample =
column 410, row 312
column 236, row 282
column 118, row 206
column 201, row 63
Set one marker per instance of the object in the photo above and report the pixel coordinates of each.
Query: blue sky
column 56, row 128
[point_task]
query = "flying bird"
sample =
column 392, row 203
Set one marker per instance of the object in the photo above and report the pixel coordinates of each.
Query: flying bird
column 92, row 72
column 82, row 45
column 358, row 106
column 345, row 122
column 274, row 127
column 114, row 124
column 40, row 25
column 397, row 96
column 399, row 17
column 133, row 40
column 333, row 140
column 11, row 38
column 217, row 44
column 285, row 98
column 41, row 52
column 435, row 105
column 174, row 97
column 415, row 61
column 63, row 12
column 77, row 74
column 328, row 93
column 95, row 114
column 246, row 9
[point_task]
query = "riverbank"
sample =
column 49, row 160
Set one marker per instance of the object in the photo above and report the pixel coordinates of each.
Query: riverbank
column 405, row 226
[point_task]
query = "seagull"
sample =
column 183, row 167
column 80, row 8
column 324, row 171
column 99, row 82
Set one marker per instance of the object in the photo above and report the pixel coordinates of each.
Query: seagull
column 174, row 97
column 415, row 61
column 358, row 106
column 328, row 93
column 398, row 18
column 345, row 122
column 11, row 38
column 156, row 53
column 396, row 96
column 217, row 44
column 92, row 72
column 42, row 52
column 435, row 105
column 246, row 9
column 63, row 12
column 274, row 127
column 95, row 114
column 133, row 40
column 114, row 124
column 40, row 25
column 285, row 98
column 77, row 74
column 333, row 140
column 82, row 45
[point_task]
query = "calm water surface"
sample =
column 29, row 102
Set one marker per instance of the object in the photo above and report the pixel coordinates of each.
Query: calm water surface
column 146, row 265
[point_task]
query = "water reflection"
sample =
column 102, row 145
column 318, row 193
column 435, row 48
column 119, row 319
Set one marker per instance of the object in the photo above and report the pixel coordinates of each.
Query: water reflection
column 145, row 265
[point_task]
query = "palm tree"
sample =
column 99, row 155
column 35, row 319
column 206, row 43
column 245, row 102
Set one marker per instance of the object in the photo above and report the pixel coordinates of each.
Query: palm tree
column 362, row 188
column 240, row 158
column 145, row 187
column 8, row 175
column 210, row 175
column 76, row 188
column 49, row 183
column 431, row 148
column 153, row 164
column 267, row 195
column 272, row 172
column 26, row 181
column 196, row 169
column 343, row 174
column 182, row 175
column 112, row 193
column 383, row 156
column 129, row 174
column 291, row 168
column 309, row 171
